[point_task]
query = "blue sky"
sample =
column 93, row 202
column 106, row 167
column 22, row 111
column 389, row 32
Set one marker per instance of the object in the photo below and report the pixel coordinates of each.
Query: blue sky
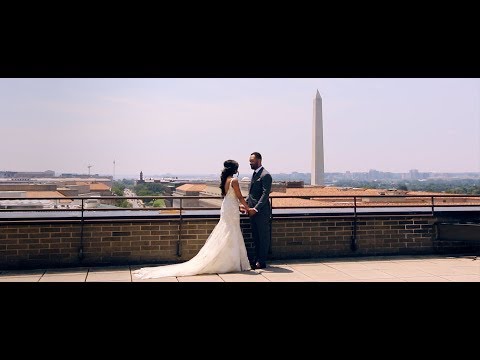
column 190, row 126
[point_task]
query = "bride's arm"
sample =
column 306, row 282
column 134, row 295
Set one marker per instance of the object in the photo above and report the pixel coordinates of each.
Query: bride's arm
column 238, row 193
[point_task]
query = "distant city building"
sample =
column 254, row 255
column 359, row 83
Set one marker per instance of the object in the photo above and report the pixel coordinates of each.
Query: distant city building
column 414, row 174
column 6, row 174
column 141, row 181
column 295, row 184
column 188, row 190
column 86, row 176
column 26, row 174
column 41, row 188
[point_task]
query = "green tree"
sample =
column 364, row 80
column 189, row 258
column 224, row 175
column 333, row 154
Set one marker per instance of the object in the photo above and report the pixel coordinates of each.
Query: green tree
column 123, row 203
column 159, row 203
column 150, row 189
column 118, row 188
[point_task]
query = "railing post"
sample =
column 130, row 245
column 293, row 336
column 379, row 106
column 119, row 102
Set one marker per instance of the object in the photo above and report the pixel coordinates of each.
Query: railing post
column 270, row 224
column 353, row 244
column 80, row 251
column 179, row 249
column 433, row 207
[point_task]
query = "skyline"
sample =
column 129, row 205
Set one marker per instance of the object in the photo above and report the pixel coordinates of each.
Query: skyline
column 190, row 126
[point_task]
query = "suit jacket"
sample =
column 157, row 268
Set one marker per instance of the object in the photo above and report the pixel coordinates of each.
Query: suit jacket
column 260, row 189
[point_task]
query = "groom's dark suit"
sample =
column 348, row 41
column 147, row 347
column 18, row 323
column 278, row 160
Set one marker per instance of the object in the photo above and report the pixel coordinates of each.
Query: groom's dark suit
column 257, row 198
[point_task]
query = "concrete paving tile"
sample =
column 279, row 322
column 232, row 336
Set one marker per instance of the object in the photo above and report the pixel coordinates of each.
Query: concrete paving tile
column 30, row 278
column 136, row 267
column 339, row 276
column 295, row 261
column 374, row 258
column 64, row 278
column 368, row 274
column 67, row 271
column 162, row 279
column 466, row 270
column 425, row 279
column 200, row 278
column 319, row 266
column 405, row 272
column 340, row 260
column 385, row 265
column 383, row 280
column 347, row 266
column 440, row 270
column 22, row 272
column 284, row 274
column 463, row 278
column 473, row 264
column 244, row 276
column 312, row 270
column 445, row 262
column 109, row 268
column 276, row 269
column 107, row 276
column 348, row 281
column 423, row 264
column 410, row 261
column 372, row 261
column 288, row 278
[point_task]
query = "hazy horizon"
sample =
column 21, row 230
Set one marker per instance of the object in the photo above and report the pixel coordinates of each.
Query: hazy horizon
column 157, row 175
column 190, row 126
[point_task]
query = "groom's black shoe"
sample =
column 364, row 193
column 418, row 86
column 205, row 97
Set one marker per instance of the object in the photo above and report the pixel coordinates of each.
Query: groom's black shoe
column 259, row 265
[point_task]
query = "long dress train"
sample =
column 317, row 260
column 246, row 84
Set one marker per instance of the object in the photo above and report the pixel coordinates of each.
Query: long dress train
column 223, row 252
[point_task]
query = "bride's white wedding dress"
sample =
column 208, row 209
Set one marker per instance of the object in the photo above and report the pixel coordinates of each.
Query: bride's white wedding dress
column 223, row 252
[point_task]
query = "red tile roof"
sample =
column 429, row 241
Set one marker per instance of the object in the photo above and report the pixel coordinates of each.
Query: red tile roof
column 311, row 192
column 192, row 187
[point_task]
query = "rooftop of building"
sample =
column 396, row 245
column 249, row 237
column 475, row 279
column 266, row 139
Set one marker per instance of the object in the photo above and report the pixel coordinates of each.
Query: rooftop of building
column 414, row 268
column 192, row 187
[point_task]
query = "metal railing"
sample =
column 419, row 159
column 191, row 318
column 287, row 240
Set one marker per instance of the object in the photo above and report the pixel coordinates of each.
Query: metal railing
column 433, row 204
column 354, row 202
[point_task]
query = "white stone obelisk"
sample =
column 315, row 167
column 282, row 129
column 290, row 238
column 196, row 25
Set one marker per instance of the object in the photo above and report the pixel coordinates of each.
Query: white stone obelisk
column 318, row 174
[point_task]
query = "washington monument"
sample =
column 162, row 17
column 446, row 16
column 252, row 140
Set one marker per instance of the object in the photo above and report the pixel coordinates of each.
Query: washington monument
column 318, row 174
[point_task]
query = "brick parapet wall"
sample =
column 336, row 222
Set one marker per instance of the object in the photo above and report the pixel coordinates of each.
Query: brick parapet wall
column 57, row 244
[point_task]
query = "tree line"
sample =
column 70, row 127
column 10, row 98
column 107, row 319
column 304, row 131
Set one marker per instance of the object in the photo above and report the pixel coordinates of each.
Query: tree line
column 450, row 186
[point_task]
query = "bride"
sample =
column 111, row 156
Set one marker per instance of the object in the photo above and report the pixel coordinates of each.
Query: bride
column 224, row 251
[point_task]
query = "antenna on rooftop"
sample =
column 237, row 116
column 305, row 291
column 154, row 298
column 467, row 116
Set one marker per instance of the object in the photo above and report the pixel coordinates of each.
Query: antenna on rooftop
column 113, row 170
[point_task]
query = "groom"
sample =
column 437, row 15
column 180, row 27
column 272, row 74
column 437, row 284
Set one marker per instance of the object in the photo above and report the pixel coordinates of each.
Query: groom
column 260, row 211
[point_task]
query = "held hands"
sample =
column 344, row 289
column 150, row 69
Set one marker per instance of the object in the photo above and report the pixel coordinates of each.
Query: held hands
column 251, row 212
column 246, row 210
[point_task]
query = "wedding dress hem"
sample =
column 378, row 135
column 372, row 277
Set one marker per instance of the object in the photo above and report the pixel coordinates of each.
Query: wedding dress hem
column 224, row 250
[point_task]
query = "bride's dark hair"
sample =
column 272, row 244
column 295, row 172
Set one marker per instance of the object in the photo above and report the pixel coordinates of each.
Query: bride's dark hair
column 230, row 167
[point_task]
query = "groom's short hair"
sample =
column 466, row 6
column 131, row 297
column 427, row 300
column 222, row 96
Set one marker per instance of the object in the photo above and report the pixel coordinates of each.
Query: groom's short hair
column 257, row 155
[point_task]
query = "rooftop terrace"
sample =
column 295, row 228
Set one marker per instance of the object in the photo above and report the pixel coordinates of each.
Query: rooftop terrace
column 424, row 268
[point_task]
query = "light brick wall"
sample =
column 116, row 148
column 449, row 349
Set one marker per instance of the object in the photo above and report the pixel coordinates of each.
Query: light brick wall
column 58, row 244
